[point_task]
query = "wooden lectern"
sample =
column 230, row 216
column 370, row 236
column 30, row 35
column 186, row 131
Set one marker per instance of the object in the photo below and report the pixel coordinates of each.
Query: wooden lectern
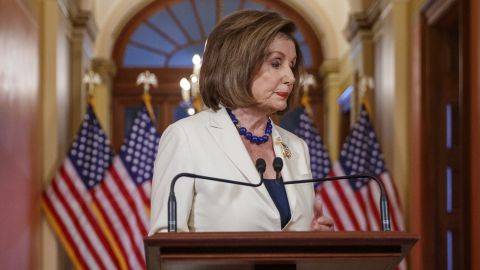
column 278, row 250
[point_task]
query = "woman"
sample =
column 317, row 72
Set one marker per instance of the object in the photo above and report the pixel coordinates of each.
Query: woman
column 250, row 71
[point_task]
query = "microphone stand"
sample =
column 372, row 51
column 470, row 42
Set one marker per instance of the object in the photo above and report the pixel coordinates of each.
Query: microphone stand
column 260, row 165
column 385, row 216
column 172, row 202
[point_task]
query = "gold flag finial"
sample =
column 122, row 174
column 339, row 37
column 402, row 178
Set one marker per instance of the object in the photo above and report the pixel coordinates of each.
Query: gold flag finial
column 147, row 79
column 307, row 81
column 91, row 79
column 366, row 84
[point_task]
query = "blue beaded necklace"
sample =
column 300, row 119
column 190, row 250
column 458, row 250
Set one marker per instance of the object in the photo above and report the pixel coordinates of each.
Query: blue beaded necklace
column 247, row 134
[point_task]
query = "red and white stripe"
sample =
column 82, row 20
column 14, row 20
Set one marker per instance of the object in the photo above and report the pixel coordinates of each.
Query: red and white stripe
column 145, row 191
column 122, row 209
column 358, row 211
column 67, row 200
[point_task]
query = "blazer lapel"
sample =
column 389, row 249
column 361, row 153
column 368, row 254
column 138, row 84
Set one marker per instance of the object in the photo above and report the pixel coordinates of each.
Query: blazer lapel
column 222, row 129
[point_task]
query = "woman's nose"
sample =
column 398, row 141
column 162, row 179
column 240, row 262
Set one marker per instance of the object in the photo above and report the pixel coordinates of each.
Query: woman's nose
column 288, row 77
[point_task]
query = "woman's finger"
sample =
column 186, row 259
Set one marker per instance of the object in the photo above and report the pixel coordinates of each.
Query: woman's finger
column 318, row 207
column 323, row 224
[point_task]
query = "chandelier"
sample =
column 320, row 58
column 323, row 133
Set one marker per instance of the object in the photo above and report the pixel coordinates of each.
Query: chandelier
column 190, row 88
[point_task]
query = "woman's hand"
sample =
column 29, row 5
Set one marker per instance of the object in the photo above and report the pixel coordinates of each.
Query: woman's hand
column 321, row 222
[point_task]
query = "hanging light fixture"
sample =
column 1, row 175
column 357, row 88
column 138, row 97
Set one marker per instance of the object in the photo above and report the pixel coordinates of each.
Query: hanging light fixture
column 190, row 88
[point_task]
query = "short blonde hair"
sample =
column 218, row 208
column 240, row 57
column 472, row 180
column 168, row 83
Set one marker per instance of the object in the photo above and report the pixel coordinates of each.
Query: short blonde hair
column 234, row 53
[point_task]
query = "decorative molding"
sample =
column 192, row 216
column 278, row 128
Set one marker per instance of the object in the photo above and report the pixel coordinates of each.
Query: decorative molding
column 329, row 66
column 79, row 18
column 105, row 67
column 364, row 21
column 85, row 19
column 337, row 71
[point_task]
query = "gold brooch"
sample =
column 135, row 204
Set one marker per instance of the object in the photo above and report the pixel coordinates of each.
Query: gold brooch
column 285, row 150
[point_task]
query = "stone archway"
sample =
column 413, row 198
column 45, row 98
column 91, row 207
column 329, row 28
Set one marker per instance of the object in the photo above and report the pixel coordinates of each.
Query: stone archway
column 168, row 97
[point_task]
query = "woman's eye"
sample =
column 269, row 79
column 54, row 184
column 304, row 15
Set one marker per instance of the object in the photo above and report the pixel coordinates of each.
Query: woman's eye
column 276, row 64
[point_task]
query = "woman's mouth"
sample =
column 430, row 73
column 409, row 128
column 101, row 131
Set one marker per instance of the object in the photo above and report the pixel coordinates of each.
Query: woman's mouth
column 282, row 94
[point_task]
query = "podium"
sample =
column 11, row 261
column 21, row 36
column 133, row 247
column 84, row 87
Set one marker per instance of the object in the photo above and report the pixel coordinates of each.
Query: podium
column 278, row 250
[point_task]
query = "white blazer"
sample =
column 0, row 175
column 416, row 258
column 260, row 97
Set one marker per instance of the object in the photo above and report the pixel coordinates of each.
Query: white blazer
column 209, row 144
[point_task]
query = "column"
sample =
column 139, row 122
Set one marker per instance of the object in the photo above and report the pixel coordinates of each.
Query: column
column 103, row 93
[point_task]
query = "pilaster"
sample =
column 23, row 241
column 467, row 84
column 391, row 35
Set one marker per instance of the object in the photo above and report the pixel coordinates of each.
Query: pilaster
column 329, row 71
column 103, row 93
column 360, row 34
column 83, row 38
column 337, row 74
column 66, row 44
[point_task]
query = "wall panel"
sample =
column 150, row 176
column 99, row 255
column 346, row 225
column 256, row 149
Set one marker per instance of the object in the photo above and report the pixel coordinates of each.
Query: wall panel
column 19, row 143
column 475, row 130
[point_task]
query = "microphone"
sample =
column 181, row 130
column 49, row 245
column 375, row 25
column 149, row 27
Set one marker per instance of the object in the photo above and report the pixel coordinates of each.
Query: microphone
column 261, row 166
column 277, row 166
column 172, row 200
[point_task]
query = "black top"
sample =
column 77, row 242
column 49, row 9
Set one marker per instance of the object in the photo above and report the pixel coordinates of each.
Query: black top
column 277, row 191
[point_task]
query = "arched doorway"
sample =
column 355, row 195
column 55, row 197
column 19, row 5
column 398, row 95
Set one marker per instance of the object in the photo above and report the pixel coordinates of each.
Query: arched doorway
column 163, row 37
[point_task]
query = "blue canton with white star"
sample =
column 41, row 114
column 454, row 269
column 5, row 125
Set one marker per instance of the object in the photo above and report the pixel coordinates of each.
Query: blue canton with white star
column 139, row 150
column 298, row 122
column 361, row 152
column 91, row 153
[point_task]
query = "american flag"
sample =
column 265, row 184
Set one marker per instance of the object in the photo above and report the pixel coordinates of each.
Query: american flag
column 123, row 197
column 319, row 158
column 139, row 161
column 300, row 123
column 67, row 201
column 353, row 205
column 361, row 154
